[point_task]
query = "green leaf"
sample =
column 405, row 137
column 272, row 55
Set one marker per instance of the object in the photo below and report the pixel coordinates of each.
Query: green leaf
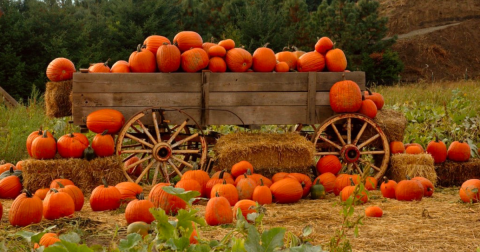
column 55, row 248
column 27, row 235
column 132, row 240
column 187, row 196
column 272, row 239
column 307, row 230
column 238, row 245
column 253, row 240
column 199, row 248
column 165, row 230
column 182, row 243
column 185, row 219
column 305, row 248
column 70, row 237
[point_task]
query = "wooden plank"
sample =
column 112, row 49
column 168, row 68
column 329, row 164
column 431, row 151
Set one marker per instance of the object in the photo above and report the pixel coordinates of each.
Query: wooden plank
column 230, row 99
column 259, row 115
column 137, row 82
column 80, row 114
column 205, row 97
column 311, row 95
column 325, row 80
column 136, row 100
column 322, row 113
column 258, row 82
column 7, row 99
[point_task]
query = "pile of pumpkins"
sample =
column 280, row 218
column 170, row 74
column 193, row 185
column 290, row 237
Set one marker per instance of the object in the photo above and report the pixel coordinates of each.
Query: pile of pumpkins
column 458, row 151
column 188, row 53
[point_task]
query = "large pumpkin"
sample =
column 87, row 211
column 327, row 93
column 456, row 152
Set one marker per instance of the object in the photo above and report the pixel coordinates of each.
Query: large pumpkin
column 327, row 180
column 186, row 40
column 428, row 187
column 168, row 58
column 44, row 147
column 408, row 190
column 26, row 209
column 470, row 191
column 32, row 137
column 323, row 45
column 168, row 202
column 304, row 180
column 60, row 69
column 335, row 60
column 226, row 190
column 105, row 197
column 142, row 61
column 287, row 190
column 279, row 176
column 200, row 176
column 438, row 150
column 194, row 60
column 10, row 186
column 458, row 151
column 329, row 163
column 138, row 210
column 264, row 59
column 238, row 60
column 218, row 211
column 311, row 62
column 57, row 205
column 287, row 57
column 345, row 97
column 128, row 190
column 75, row 193
column 72, row 145
column 103, row 145
column 153, row 42
column 105, row 119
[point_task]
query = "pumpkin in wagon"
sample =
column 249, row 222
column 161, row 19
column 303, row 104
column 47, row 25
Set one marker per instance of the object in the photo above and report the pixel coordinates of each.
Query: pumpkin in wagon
column 311, row 62
column 287, row 57
column 335, row 60
column 345, row 97
column 99, row 68
column 120, row 66
column 168, row 58
column 194, row 60
column 142, row 61
column 153, row 42
column 185, row 40
column 228, row 44
column 323, row 45
column 238, row 60
column 264, row 59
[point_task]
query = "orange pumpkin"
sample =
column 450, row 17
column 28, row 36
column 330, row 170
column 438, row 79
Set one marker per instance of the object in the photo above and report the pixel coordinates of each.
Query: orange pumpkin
column 279, row 176
column 30, row 139
column 57, row 205
column 189, row 185
column 153, row 42
column 217, row 51
column 105, row 119
column 60, row 69
column 138, row 210
column 246, row 206
column 226, row 190
column 200, row 176
column 335, row 60
column 345, row 97
column 194, row 60
column 287, row 57
column 388, row 188
column 458, row 151
column 327, row 180
column 228, row 44
column 371, row 183
column 304, row 180
column 168, row 202
column 238, row 60
column 120, row 66
column 42, row 193
column 323, row 45
column 218, row 211
column 413, row 149
column 128, row 190
column 470, row 191
column 63, row 181
column 282, row 67
column 44, row 147
column 348, row 191
column 213, row 181
column 298, row 53
column 262, row 194
column 311, row 62
column 217, row 65
column 168, row 58
column 26, row 209
column 226, row 175
column 428, row 187
column 48, row 239
column 142, row 61
column 397, row 147
column 373, row 211
column 245, row 187
column 240, row 168
column 438, row 150
column 287, row 190
column 408, row 190
column 264, row 59
column 99, row 68
column 375, row 97
column 18, row 166
column 75, row 193
column 342, row 181
column 103, row 144
column 72, row 145
column 207, row 45
column 329, row 163
column 186, row 40
column 368, row 108
column 137, row 169
column 6, row 167
column 105, row 197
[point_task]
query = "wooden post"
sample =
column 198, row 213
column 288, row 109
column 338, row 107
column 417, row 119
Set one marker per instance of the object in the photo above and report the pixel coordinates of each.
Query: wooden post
column 205, row 99
column 7, row 99
column 312, row 92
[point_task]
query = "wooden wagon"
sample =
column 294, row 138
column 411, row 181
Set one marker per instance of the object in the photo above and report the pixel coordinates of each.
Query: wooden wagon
column 168, row 111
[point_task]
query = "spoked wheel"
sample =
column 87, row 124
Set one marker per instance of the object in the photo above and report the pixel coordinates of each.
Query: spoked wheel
column 162, row 149
column 345, row 136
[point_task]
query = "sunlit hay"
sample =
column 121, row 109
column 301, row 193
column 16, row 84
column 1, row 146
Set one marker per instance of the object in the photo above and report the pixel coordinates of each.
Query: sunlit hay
column 413, row 165
column 85, row 174
column 452, row 173
column 58, row 99
column 268, row 153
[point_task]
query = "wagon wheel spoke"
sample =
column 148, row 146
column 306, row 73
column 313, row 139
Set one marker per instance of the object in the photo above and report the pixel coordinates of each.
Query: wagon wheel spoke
column 326, row 153
column 145, row 130
column 165, row 172
column 136, row 151
column 137, row 163
column 349, row 167
column 371, row 139
column 372, row 152
column 155, row 175
column 185, row 140
column 360, row 133
column 357, row 167
column 175, row 167
column 146, row 170
column 138, row 140
column 330, row 142
column 370, row 164
column 131, row 146
column 349, row 130
column 185, row 151
column 130, row 156
column 182, row 161
column 155, row 124
column 175, row 134
column 338, row 133
column 136, row 129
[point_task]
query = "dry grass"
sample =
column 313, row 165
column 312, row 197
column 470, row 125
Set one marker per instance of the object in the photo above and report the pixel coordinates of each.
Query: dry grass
column 58, row 99
column 413, row 165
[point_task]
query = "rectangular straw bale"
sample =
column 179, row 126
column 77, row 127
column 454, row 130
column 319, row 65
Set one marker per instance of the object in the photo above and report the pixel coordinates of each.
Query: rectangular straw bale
column 58, row 101
column 452, row 173
column 412, row 165
column 267, row 152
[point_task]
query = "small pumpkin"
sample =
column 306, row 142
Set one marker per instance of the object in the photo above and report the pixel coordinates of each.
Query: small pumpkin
column 335, row 60
column 329, row 163
column 217, row 51
column 57, row 205
column 189, row 185
column 32, row 137
column 55, row 183
column 348, row 191
column 279, row 176
column 72, row 145
column 218, row 211
column 228, row 44
column 371, row 183
column 10, row 185
column 138, row 227
column 238, row 60
column 128, row 190
column 408, row 190
column 168, row 58
column 194, row 60
column 207, row 45
column 168, row 202
column 470, row 191
column 428, row 187
column 458, row 151
column 287, row 190
column 327, row 180
column 105, row 119
column 388, row 188
column 89, row 153
column 282, row 67
column 142, row 61
column 60, row 69
column 287, row 57
column 311, row 62
column 26, row 209
column 247, row 207
column 138, row 210
column 6, row 167
column 120, row 66
column 317, row 191
column 103, row 144
column 75, row 193
column 342, row 181
column 263, row 59
column 397, row 147
column 368, row 108
column 42, row 193
column 345, row 97
column 153, row 42
column 213, row 181
column 48, row 239
column 44, row 147
column 413, row 149
column 323, row 45
column 241, row 168
column 99, row 68
column 185, row 40
column 262, row 194
column 298, row 53
column 438, row 150
column 377, row 98
column 373, row 211
column 226, row 175
column 226, row 190
column 217, row 65
column 105, row 197
column 200, row 176
column 245, row 187
column 19, row 165
column 137, row 169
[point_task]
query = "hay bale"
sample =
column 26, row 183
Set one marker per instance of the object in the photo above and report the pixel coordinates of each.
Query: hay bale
column 412, row 165
column 393, row 123
column 268, row 153
column 57, row 99
column 85, row 174
column 452, row 173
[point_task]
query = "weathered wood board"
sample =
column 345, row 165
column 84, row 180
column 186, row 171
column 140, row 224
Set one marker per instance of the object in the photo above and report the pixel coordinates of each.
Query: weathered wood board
column 212, row 98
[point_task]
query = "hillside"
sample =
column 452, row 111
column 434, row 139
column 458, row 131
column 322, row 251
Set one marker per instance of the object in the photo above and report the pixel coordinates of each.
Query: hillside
column 427, row 48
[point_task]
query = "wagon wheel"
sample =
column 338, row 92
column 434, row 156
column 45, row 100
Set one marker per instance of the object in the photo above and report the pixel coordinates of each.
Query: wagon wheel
column 162, row 148
column 343, row 136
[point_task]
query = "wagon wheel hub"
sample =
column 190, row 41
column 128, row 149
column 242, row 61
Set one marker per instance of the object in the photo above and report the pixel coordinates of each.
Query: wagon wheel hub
column 350, row 153
column 162, row 152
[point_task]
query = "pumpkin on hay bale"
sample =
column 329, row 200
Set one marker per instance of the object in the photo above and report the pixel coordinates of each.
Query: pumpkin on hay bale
column 85, row 174
column 58, row 100
column 268, row 153
column 413, row 165
column 452, row 173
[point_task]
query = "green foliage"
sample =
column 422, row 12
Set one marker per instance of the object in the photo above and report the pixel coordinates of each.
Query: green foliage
column 382, row 68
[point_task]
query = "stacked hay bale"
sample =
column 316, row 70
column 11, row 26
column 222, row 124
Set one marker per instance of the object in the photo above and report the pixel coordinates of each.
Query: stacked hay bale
column 452, row 173
column 58, row 99
column 412, row 165
column 268, row 153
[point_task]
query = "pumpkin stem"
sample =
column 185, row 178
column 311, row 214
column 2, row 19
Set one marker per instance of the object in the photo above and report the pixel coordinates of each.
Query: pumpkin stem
column 266, row 44
column 106, row 62
column 303, row 184
column 139, row 48
column 285, row 49
column 140, row 196
column 224, row 182
column 351, row 182
column 28, row 193
column 72, row 135
column 408, row 177
column 245, row 175
column 11, row 170
column 318, row 182
column 295, row 48
column 45, row 134
column 165, row 43
column 385, row 179
column 261, row 182
column 221, row 174
column 212, row 40
column 54, row 190
column 249, row 172
column 216, row 194
column 369, row 91
column 104, row 132
column 60, row 184
column 104, row 181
